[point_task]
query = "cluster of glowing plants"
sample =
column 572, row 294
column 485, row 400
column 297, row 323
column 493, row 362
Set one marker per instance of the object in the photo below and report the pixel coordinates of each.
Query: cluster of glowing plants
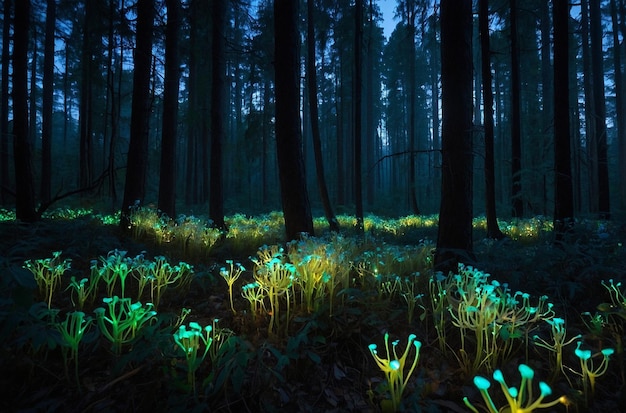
column 588, row 370
column 518, row 400
column 488, row 311
column 394, row 367
column 47, row 273
column 121, row 320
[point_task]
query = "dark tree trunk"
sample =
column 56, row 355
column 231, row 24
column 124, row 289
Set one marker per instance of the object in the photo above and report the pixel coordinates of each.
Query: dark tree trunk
column 167, row 178
column 137, row 163
column 48, row 95
column 516, row 122
column 597, row 68
column 563, row 190
column 412, row 96
column 294, row 196
column 4, row 103
column 454, row 240
column 24, row 187
column 218, row 104
column 493, row 230
column 358, row 111
column 619, row 26
column 86, row 99
column 315, row 127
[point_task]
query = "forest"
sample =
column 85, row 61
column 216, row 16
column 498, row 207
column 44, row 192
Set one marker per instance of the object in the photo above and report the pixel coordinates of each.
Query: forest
column 312, row 205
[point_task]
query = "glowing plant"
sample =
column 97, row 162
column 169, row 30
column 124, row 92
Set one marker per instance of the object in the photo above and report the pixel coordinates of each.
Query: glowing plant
column 589, row 372
column 231, row 275
column 115, row 267
column 519, row 400
column 163, row 274
column 394, row 368
column 82, row 293
column 72, row 331
column 559, row 341
column 195, row 341
column 311, row 281
column 254, row 294
column 47, row 273
column 618, row 299
column 122, row 320
column 275, row 278
column 408, row 291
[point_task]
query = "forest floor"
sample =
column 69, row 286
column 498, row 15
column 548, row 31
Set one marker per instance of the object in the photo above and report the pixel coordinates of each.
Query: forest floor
column 306, row 360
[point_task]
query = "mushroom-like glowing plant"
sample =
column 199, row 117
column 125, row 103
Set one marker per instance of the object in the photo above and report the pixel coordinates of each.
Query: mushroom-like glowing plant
column 231, row 275
column 47, row 273
column 589, row 372
column 72, row 331
column 394, row 367
column 191, row 340
column 519, row 401
column 123, row 320
column 559, row 333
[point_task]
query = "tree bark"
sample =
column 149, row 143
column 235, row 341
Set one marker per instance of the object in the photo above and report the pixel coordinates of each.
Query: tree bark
column 294, row 196
column 563, row 190
column 454, row 239
column 597, row 67
column 85, row 174
column 516, row 123
column 137, row 163
column 315, row 127
column 24, row 188
column 167, row 178
column 358, row 112
column 218, row 105
column 47, row 109
column 4, row 103
column 493, row 229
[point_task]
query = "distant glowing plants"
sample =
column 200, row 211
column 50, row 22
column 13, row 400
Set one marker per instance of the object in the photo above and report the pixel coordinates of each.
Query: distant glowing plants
column 121, row 320
column 519, row 401
column 231, row 275
column 47, row 273
column 394, row 367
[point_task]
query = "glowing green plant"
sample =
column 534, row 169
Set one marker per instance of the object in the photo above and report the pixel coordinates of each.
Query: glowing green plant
column 559, row 341
column 163, row 274
column 116, row 266
column 411, row 297
column 78, row 288
column 122, row 320
column 394, row 368
column 72, row 331
column 195, row 341
column 589, row 372
column 518, row 401
column 231, row 275
column 255, row 295
column 275, row 278
column 47, row 273
column 311, row 281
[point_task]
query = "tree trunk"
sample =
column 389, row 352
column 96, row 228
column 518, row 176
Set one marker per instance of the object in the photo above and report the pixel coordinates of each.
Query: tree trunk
column 294, row 196
column 358, row 112
column 4, row 103
column 516, row 123
column 454, row 239
column 412, row 96
column 218, row 103
column 621, row 103
column 47, row 109
column 167, row 178
column 493, row 229
column 597, row 63
column 24, row 188
column 315, row 127
column 86, row 99
column 563, row 190
column 137, row 163
column 591, row 139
